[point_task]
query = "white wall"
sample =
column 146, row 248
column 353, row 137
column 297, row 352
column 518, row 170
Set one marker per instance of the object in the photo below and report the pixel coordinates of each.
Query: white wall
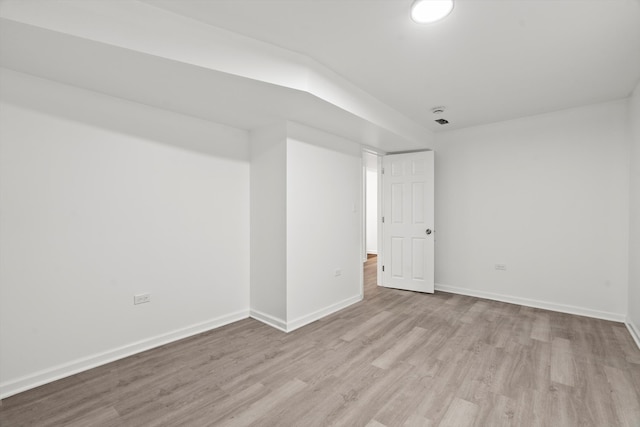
column 548, row 197
column 268, row 224
column 634, row 215
column 370, row 161
column 372, row 211
column 102, row 199
column 306, row 221
column 324, row 211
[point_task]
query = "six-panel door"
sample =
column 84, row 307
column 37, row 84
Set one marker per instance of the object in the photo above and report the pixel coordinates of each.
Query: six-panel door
column 408, row 229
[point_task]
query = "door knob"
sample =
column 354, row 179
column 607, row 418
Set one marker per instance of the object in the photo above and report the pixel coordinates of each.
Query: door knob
column 428, row 231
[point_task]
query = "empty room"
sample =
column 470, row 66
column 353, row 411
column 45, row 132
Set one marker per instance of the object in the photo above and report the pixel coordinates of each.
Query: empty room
column 320, row 212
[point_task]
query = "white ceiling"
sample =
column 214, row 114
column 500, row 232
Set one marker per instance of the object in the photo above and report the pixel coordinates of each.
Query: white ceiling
column 490, row 60
column 360, row 69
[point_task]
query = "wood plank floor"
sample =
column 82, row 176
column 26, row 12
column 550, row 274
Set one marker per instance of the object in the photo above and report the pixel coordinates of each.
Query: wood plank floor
column 395, row 359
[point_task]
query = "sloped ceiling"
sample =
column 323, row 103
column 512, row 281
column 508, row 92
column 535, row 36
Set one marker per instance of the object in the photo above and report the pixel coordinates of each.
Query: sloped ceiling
column 144, row 54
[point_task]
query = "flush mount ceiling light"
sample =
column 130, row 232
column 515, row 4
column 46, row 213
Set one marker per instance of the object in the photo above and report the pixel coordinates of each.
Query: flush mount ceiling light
column 427, row 11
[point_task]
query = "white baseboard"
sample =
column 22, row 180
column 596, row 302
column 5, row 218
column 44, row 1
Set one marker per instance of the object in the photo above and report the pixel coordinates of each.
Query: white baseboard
column 316, row 315
column 9, row 388
column 562, row 308
column 303, row 320
column 633, row 330
column 267, row 319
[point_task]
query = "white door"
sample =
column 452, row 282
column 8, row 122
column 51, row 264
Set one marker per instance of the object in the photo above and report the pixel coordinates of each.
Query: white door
column 408, row 221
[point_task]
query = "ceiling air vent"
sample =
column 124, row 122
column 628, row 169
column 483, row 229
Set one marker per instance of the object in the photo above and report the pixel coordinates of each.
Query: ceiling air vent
column 438, row 111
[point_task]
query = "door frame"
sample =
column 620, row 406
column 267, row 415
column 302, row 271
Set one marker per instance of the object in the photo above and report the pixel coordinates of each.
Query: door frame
column 380, row 256
column 379, row 155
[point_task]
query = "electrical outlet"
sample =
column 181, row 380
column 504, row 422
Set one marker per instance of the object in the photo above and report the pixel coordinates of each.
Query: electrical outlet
column 338, row 273
column 141, row 299
column 501, row 267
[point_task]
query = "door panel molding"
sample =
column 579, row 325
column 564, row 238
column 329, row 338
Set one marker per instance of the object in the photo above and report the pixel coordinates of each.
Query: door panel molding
column 408, row 243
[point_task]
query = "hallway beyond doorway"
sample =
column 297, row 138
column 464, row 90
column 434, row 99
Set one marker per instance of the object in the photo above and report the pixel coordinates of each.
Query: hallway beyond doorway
column 371, row 276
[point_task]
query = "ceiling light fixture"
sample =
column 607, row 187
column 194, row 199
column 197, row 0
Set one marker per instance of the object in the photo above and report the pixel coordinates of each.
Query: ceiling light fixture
column 428, row 11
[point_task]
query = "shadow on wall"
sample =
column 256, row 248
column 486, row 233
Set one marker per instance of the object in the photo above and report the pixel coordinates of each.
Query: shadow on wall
column 130, row 118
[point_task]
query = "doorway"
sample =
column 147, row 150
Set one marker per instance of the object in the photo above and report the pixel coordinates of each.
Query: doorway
column 371, row 167
column 400, row 188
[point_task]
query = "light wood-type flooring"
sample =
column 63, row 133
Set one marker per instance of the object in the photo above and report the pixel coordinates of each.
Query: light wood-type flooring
column 395, row 359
